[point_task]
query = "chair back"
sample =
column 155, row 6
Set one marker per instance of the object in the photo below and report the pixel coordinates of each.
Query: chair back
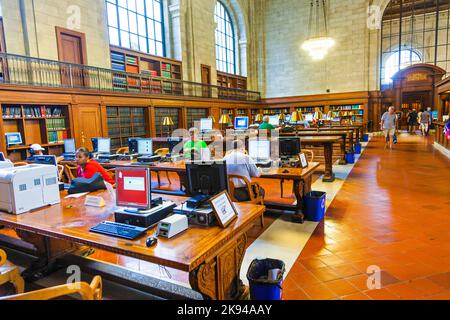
column 123, row 150
column 253, row 189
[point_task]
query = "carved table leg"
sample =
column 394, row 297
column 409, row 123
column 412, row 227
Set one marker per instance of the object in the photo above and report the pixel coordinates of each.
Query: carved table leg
column 329, row 175
column 343, row 160
column 48, row 250
column 299, row 187
column 219, row 277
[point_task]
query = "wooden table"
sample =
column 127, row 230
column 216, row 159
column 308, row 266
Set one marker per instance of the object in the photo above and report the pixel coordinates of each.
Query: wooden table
column 212, row 256
column 327, row 143
column 302, row 179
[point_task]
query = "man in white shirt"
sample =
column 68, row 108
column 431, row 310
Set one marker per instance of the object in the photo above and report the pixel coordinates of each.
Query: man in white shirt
column 239, row 163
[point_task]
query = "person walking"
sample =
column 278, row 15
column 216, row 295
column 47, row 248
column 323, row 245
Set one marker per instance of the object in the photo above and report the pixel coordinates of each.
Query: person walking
column 389, row 123
column 425, row 121
column 412, row 121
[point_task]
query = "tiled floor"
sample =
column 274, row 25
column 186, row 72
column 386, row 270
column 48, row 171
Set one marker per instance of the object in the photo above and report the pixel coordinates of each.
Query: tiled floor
column 392, row 213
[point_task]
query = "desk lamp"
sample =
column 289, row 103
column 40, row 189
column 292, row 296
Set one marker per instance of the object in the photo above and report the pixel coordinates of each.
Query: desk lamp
column 167, row 122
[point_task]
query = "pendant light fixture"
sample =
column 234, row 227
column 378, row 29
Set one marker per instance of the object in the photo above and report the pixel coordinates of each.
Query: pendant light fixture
column 318, row 42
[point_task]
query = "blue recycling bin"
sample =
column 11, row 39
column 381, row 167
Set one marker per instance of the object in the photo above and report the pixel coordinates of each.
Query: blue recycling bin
column 365, row 138
column 358, row 148
column 350, row 157
column 315, row 202
column 261, row 288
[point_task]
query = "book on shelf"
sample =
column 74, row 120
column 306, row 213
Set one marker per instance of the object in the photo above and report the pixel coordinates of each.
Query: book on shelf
column 11, row 112
column 56, row 124
column 57, row 136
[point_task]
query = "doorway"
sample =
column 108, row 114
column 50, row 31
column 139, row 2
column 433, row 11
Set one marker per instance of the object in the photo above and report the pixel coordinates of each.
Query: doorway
column 206, row 79
column 72, row 49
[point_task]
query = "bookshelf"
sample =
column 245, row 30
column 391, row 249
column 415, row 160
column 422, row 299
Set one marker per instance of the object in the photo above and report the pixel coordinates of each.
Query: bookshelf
column 276, row 111
column 354, row 113
column 160, row 114
column 124, row 123
column 47, row 125
column 161, row 69
column 228, row 80
column 195, row 114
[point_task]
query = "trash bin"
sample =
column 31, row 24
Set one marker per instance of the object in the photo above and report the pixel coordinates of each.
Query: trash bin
column 261, row 287
column 350, row 157
column 315, row 206
column 358, row 148
column 365, row 138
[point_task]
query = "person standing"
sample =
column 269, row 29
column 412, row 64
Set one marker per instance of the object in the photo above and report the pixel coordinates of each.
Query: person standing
column 389, row 123
column 425, row 121
column 196, row 149
column 412, row 121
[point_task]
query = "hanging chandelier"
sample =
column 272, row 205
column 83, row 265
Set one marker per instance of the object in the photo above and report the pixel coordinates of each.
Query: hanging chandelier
column 318, row 44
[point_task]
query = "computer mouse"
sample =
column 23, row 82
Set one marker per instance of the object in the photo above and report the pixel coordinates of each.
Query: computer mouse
column 286, row 171
column 152, row 241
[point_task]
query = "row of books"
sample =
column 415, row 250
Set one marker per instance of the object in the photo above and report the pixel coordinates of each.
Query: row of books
column 166, row 66
column 11, row 112
column 350, row 107
column 56, row 124
column 57, row 136
column 31, row 112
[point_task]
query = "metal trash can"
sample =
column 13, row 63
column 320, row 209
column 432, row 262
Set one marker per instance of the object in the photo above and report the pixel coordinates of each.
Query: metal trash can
column 261, row 286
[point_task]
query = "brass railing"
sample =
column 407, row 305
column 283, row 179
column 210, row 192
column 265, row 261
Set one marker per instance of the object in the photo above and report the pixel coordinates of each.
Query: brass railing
column 36, row 72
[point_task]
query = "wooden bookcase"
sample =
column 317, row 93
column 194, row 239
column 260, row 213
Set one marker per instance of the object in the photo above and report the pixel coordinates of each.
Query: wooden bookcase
column 124, row 123
column 158, row 68
column 47, row 125
column 276, row 112
column 229, row 80
column 355, row 113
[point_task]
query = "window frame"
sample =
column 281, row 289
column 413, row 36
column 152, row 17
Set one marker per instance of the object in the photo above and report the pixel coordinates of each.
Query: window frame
column 146, row 17
column 225, row 48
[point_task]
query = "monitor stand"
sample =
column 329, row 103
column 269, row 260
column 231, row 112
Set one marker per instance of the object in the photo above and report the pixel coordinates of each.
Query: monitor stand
column 154, row 204
column 144, row 218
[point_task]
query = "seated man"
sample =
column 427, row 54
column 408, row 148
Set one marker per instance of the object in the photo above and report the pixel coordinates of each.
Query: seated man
column 196, row 149
column 37, row 150
column 265, row 125
column 239, row 163
column 87, row 167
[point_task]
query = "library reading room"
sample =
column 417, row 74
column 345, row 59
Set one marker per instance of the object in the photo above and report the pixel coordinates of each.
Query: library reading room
column 225, row 150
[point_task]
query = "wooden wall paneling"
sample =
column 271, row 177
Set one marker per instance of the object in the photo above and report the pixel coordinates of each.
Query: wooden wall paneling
column 151, row 121
column 87, row 124
column 2, row 133
column 104, row 121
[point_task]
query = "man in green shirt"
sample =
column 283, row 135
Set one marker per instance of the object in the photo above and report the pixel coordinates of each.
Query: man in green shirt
column 195, row 149
column 265, row 125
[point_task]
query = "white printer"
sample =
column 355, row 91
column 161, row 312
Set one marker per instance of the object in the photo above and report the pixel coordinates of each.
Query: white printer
column 23, row 189
column 6, row 164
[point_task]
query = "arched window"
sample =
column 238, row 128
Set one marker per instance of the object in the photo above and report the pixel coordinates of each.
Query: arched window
column 225, row 40
column 407, row 57
column 136, row 25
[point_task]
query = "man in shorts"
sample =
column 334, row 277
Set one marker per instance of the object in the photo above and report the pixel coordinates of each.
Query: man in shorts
column 389, row 125
column 425, row 121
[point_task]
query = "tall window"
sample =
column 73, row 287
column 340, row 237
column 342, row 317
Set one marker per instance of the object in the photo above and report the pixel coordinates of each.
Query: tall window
column 136, row 25
column 225, row 40
column 392, row 66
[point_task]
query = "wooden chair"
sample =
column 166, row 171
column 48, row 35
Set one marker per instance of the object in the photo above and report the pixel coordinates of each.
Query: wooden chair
column 70, row 172
column 123, row 150
column 253, row 189
column 61, row 172
column 162, row 153
column 10, row 273
column 87, row 291
column 310, row 159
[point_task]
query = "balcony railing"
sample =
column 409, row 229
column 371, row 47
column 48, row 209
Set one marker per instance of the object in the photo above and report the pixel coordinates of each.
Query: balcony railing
column 28, row 71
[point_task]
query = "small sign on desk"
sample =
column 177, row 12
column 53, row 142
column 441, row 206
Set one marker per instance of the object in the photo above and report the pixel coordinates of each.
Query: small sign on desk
column 224, row 209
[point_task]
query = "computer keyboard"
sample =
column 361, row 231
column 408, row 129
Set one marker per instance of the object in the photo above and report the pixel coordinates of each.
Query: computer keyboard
column 119, row 230
column 103, row 161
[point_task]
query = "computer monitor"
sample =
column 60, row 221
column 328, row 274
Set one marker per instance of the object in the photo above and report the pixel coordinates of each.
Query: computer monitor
column 241, row 123
column 133, row 188
column 101, row 145
column 145, row 147
column 274, row 120
column 206, row 178
column 173, row 142
column 259, row 149
column 47, row 160
column 69, row 146
column 2, row 157
column 290, row 147
column 133, row 145
column 13, row 138
column 309, row 117
column 206, row 124
column 288, row 119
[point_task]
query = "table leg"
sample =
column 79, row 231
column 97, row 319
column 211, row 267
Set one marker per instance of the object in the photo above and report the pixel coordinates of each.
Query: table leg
column 299, row 192
column 48, row 250
column 329, row 175
column 343, row 161
column 219, row 277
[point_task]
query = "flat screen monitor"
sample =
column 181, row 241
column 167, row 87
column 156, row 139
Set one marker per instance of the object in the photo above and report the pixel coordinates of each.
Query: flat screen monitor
column 2, row 157
column 69, row 146
column 206, row 124
column 309, row 117
column 133, row 188
column 133, row 145
column 288, row 118
column 241, row 123
column 259, row 149
column 206, row 178
column 13, row 138
column 145, row 147
column 290, row 147
column 274, row 120
column 435, row 115
column 47, row 160
column 101, row 145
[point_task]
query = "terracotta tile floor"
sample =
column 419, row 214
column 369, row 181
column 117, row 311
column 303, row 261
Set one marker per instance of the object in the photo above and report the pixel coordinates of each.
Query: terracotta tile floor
column 393, row 212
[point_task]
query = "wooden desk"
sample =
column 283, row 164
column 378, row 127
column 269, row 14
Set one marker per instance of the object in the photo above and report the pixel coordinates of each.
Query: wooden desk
column 302, row 179
column 212, row 256
column 327, row 143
